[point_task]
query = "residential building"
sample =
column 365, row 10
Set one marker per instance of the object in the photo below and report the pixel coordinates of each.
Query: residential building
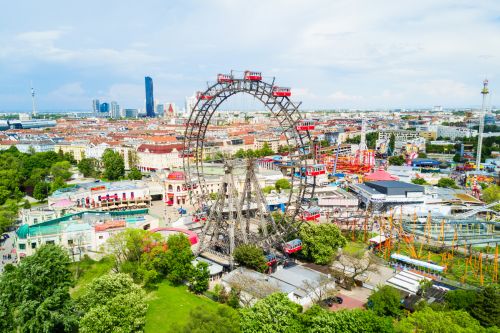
column 454, row 132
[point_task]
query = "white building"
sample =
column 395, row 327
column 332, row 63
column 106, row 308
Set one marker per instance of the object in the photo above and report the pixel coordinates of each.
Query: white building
column 81, row 233
column 100, row 194
column 454, row 132
column 159, row 157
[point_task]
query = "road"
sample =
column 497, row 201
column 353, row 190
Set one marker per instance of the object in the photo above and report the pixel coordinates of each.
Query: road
column 6, row 250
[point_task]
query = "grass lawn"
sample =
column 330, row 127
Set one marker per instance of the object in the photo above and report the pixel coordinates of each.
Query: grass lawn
column 354, row 247
column 90, row 270
column 169, row 307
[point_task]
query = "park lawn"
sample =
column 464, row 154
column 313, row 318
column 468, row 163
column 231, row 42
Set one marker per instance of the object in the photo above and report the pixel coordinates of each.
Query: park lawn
column 169, row 308
column 354, row 247
column 90, row 270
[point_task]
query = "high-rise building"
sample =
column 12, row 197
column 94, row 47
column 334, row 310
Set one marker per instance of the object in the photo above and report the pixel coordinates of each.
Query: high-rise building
column 130, row 113
column 190, row 103
column 150, row 112
column 115, row 110
column 96, row 106
column 160, row 109
column 104, row 109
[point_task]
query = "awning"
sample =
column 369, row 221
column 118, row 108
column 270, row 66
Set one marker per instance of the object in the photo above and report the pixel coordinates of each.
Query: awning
column 416, row 262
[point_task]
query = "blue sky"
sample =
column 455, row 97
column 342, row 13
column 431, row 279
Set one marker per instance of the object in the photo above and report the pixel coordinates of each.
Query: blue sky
column 334, row 54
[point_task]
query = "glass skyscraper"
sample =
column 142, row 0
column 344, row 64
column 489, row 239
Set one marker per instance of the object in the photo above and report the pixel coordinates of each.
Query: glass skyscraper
column 150, row 104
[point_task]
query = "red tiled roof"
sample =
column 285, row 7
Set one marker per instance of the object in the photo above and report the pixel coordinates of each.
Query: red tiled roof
column 159, row 149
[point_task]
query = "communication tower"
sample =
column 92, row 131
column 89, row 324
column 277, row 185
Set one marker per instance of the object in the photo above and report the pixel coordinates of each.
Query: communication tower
column 481, row 125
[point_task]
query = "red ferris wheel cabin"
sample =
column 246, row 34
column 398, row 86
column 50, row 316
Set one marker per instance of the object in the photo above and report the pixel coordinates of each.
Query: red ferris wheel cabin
column 252, row 76
column 281, row 92
column 202, row 96
column 224, row 78
column 306, row 125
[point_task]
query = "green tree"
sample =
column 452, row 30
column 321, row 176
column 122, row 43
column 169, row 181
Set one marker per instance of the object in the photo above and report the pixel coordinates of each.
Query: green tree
column 113, row 303
column 268, row 189
column 114, row 166
column 282, row 184
column 397, row 160
column 419, row 181
column 251, row 256
column 198, row 281
column 273, row 314
column 209, row 319
column 34, row 296
column 486, row 308
column 392, row 143
column 317, row 320
column 447, row 183
column 7, row 219
column 354, row 140
column 178, row 258
column 61, row 170
column 371, row 139
column 430, row 321
column 264, row 151
column 88, row 167
column 240, row 153
column 422, row 155
column 491, row 194
column 41, row 191
column 460, row 299
column 386, row 301
column 320, row 242
column 134, row 174
column 26, row 204
column 57, row 184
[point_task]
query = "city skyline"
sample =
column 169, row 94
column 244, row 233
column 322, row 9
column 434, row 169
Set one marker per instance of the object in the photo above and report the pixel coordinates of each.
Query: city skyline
column 333, row 55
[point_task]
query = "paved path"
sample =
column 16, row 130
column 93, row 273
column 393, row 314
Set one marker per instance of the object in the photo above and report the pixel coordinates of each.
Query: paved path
column 6, row 250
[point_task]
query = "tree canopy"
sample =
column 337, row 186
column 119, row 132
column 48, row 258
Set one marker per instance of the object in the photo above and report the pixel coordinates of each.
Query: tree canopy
column 447, row 182
column 320, row 242
column 273, row 314
column 491, row 194
column 397, row 160
column 282, row 184
column 429, row 321
column 88, row 167
column 204, row 319
column 318, row 320
column 251, row 256
column 34, row 296
column 114, row 166
column 134, row 174
column 113, row 303
column 386, row 301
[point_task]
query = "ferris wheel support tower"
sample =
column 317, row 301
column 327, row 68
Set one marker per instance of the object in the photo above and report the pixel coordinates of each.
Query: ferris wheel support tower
column 485, row 92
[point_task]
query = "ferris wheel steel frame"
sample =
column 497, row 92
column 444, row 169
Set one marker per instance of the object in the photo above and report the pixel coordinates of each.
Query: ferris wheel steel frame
column 287, row 115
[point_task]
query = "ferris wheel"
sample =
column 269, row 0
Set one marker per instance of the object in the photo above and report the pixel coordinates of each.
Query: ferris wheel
column 238, row 212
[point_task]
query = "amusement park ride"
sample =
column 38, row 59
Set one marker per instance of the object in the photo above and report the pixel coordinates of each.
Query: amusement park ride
column 362, row 162
column 241, row 216
column 424, row 240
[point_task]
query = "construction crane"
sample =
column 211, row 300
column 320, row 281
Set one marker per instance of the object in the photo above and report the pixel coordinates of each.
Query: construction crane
column 484, row 92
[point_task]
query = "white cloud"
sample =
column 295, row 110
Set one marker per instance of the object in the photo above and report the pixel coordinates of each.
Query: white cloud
column 332, row 53
column 340, row 96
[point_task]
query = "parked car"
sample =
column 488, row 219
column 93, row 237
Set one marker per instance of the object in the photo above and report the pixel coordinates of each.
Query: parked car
column 332, row 300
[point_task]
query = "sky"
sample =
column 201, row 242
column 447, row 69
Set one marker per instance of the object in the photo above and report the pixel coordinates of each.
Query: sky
column 332, row 53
